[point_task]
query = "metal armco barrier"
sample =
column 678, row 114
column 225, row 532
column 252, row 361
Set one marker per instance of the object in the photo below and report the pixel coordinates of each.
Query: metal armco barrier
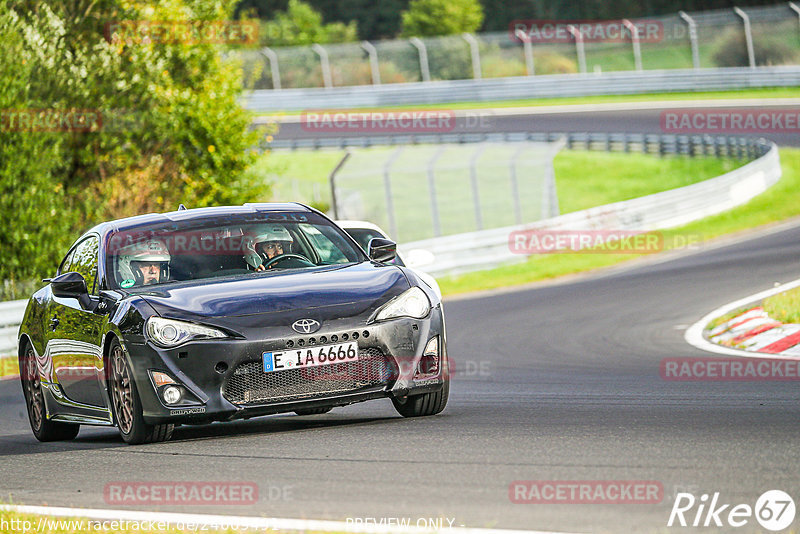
column 523, row 87
column 10, row 317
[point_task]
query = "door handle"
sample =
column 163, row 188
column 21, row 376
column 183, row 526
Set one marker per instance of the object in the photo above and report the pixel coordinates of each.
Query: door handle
column 54, row 323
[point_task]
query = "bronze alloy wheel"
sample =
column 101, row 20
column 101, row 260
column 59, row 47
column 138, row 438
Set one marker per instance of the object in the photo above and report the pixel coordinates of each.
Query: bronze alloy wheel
column 121, row 390
column 33, row 390
column 126, row 404
column 44, row 429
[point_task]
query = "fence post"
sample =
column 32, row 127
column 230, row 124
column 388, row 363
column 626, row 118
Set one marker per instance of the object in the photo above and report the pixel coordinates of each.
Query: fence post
column 637, row 50
column 425, row 71
column 387, row 191
column 326, row 66
column 373, row 61
column 579, row 47
column 473, row 178
column 512, row 168
column 794, row 7
column 273, row 66
column 550, row 196
column 332, row 181
column 475, row 53
column 527, row 46
column 437, row 228
column 748, row 36
column 692, row 38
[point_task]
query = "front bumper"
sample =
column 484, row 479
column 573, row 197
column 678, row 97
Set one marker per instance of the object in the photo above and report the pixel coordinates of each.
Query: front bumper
column 223, row 379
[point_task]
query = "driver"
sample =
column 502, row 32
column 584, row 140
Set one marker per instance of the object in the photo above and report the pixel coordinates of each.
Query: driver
column 271, row 242
column 144, row 263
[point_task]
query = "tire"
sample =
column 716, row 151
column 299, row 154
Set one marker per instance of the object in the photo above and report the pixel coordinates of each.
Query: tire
column 126, row 405
column 313, row 411
column 43, row 428
column 427, row 403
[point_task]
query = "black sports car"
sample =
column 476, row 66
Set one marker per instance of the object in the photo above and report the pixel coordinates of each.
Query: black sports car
column 221, row 313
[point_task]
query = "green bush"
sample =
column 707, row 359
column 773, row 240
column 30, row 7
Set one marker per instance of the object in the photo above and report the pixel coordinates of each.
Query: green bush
column 300, row 24
column 768, row 49
column 428, row 18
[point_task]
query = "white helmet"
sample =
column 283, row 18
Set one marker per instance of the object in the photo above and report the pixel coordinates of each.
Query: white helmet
column 273, row 232
column 152, row 250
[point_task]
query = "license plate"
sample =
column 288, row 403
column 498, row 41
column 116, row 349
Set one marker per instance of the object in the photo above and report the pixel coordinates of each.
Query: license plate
column 310, row 357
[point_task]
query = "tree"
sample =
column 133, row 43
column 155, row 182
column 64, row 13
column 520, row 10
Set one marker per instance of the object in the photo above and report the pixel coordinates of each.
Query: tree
column 426, row 18
column 300, row 24
column 170, row 128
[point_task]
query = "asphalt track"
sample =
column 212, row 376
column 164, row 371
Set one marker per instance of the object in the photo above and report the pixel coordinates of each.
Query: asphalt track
column 593, row 119
column 558, row 382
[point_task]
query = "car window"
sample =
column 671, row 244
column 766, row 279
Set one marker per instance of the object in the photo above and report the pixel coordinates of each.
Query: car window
column 327, row 250
column 211, row 247
column 84, row 261
column 65, row 263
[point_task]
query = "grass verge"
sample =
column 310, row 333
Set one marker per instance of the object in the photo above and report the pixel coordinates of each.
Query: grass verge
column 768, row 92
column 784, row 307
column 8, row 366
column 778, row 203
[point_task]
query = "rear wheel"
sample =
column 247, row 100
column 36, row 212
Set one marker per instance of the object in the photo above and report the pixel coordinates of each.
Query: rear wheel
column 43, row 428
column 427, row 403
column 127, row 406
column 313, row 411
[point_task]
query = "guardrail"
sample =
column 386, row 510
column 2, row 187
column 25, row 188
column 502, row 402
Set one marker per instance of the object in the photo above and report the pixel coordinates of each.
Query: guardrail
column 488, row 248
column 11, row 313
column 524, row 87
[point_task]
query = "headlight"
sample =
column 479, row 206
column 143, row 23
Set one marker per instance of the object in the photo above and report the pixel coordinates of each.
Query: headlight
column 171, row 333
column 413, row 303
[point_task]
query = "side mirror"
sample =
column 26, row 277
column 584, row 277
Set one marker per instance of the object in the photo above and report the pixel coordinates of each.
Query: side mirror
column 381, row 250
column 72, row 286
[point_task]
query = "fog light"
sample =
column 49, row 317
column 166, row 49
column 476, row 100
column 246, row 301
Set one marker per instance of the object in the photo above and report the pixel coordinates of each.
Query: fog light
column 171, row 395
column 429, row 363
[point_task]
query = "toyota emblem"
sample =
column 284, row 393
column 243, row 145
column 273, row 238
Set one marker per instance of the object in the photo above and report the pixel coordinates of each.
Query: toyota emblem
column 305, row 326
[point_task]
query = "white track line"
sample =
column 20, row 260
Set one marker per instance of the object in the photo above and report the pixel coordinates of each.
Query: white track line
column 694, row 334
column 263, row 523
column 564, row 108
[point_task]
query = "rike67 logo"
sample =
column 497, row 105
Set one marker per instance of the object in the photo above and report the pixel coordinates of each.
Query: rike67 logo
column 774, row 510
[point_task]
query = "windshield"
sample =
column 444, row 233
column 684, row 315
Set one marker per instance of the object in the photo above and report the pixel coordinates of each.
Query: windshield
column 225, row 246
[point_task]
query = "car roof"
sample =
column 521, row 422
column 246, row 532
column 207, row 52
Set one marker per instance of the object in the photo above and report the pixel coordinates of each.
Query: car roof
column 360, row 224
column 198, row 213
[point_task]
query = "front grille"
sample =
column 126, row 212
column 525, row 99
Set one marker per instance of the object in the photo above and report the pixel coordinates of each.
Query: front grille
column 250, row 385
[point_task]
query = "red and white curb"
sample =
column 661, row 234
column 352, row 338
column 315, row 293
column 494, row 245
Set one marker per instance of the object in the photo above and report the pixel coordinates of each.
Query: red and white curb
column 751, row 334
column 226, row 522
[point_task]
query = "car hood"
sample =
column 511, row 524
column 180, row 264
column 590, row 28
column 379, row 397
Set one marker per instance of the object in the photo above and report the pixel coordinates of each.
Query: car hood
column 342, row 291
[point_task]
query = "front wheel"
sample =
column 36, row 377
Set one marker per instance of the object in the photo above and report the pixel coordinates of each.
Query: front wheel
column 127, row 406
column 427, row 403
column 43, row 428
